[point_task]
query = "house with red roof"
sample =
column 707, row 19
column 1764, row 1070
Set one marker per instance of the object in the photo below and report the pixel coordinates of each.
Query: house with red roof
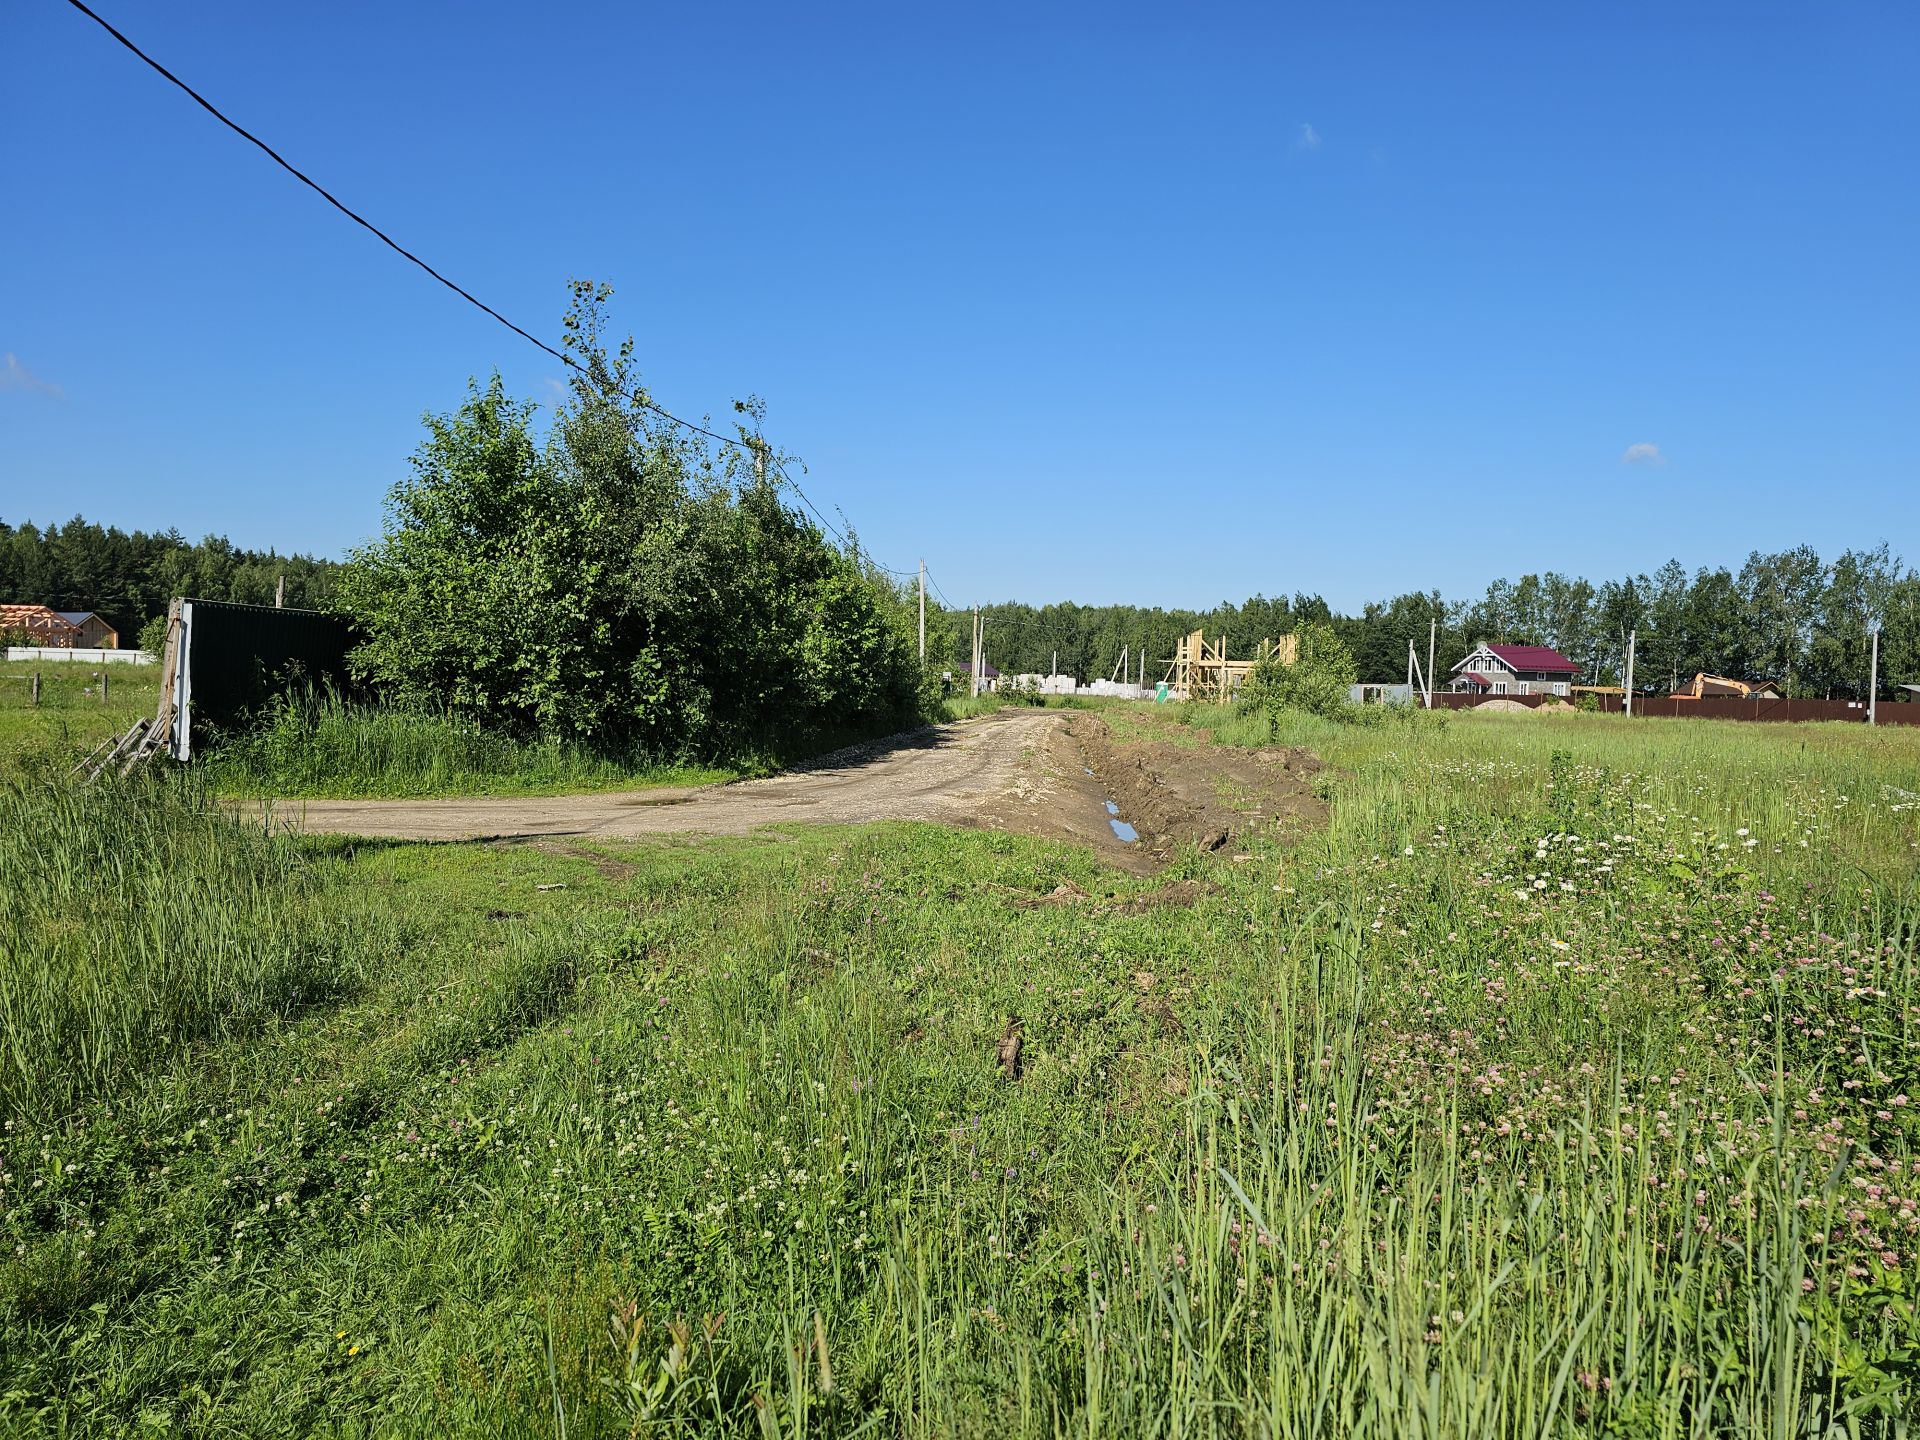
column 1514, row 670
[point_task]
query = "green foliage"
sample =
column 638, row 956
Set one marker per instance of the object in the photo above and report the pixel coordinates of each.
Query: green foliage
column 325, row 745
column 135, row 919
column 1787, row 617
column 128, row 577
column 1512, row 1104
column 153, row 635
column 1021, row 691
column 622, row 586
column 1317, row 682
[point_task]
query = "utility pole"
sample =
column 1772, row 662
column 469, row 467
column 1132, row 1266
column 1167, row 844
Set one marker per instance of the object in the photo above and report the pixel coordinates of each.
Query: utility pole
column 923, row 612
column 1873, row 682
column 280, row 593
column 1433, row 634
column 1627, row 697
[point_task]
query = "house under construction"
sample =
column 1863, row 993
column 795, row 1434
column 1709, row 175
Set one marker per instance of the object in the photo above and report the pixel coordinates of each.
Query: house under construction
column 1201, row 671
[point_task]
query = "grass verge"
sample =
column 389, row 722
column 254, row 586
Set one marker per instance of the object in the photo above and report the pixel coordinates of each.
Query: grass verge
column 324, row 747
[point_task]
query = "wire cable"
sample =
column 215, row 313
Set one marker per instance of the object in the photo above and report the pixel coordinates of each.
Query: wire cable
column 640, row 398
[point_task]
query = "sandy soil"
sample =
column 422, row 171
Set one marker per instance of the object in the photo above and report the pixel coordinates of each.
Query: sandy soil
column 1032, row 772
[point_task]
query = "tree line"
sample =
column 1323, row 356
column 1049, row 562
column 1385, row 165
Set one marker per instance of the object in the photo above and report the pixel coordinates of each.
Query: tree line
column 1789, row 617
column 129, row 576
column 625, row 590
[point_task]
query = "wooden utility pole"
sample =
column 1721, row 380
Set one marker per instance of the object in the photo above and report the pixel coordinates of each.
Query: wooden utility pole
column 1627, row 696
column 1873, row 683
column 280, row 593
column 923, row 612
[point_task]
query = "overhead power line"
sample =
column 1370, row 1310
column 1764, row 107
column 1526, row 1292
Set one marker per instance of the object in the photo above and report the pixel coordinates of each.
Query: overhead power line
column 639, row 398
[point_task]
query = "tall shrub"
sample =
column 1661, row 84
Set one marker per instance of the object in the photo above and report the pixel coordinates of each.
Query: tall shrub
column 622, row 583
column 1318, row 681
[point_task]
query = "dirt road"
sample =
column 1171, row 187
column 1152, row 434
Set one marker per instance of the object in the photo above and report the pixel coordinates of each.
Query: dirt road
column 949, row 773
column 1054, row 774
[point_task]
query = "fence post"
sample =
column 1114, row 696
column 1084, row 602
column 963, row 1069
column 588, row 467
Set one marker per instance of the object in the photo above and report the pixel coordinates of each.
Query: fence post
column 36, row 687
column 103, row 684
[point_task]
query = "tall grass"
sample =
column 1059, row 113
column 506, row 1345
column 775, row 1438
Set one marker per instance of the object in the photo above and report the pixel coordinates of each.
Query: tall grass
column 135, row 919
column 1429, row 1126
column 323, row 745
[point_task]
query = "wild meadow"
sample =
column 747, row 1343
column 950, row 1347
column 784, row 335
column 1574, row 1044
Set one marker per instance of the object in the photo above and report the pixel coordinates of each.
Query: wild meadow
column 1565, row 1084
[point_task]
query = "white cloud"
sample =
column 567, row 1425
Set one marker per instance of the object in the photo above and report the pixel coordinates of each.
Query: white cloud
column 15, row 376
column 1307, row 139
column 1643, row 453
column 557, row 387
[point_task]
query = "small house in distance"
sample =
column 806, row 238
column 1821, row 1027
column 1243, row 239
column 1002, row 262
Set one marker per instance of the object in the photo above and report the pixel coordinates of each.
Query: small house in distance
column 58, row 629
column 1717, row 687
column 1513, row 670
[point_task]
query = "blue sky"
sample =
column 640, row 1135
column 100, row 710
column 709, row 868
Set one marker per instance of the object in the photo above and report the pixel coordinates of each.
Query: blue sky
column 1168, row 304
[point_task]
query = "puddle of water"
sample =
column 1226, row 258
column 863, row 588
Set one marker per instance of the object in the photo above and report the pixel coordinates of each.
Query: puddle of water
column 1087, row 768
column 1112, row 809
column 1124, row 831
column 659, row 800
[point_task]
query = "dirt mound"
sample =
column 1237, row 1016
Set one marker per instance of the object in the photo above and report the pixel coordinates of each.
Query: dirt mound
column 1205, row 795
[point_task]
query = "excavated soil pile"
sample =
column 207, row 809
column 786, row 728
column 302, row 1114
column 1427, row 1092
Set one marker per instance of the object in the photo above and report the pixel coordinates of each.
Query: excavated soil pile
column 1206, row 795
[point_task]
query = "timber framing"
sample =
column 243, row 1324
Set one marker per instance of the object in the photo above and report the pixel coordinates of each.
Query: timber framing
column 1203, row 672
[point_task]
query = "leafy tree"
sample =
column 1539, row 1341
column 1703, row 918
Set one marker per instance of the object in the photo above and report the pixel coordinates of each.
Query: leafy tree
column 1318, row 681
column 621, row 584
column 1855, row 602
column 1781, row 595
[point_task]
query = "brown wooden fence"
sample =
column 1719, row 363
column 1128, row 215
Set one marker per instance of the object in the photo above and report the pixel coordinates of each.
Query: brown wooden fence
column 1855, row 711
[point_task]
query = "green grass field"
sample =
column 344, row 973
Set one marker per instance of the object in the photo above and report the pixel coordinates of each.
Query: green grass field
column 1565, row 1085
column 71, row 717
